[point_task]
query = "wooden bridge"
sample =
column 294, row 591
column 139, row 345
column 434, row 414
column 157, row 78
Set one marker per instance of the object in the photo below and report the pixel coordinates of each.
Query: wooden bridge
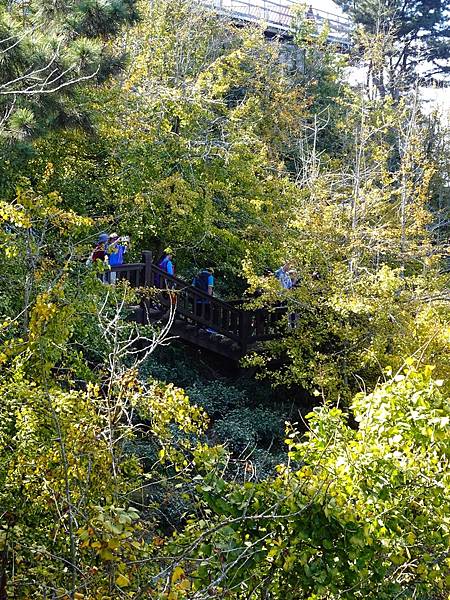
column 226, row 328
column 278, row 15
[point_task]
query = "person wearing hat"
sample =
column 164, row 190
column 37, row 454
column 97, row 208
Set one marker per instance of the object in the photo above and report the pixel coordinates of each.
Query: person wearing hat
column 99, row 251
column 116, row 250
column 166, row 264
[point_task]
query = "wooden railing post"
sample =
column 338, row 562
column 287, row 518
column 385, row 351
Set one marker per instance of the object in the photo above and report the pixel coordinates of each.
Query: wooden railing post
column 244, row 332
column 147, row 260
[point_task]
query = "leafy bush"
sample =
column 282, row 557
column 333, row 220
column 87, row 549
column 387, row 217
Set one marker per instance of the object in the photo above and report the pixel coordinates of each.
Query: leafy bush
column 256, row 464
column 357, row 507
column 170, row 364
column 245, row 427
column 216, row 397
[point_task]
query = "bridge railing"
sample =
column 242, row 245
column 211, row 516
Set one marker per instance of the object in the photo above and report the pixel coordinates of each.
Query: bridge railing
column 199, row 307
column 263, row 324
column 273, row 13
column 233, row 320
column 280, row 14
column 132, row 272
column 193, row 304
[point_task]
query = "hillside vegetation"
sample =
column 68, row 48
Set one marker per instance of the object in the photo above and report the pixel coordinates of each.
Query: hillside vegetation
column 132, row 466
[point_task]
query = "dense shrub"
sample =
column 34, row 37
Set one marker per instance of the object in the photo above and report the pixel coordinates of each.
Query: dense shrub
column 243, row 428
column 216, row 397
column 171, row 364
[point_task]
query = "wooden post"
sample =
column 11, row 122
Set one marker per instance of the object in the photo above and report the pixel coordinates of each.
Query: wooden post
column 147, row 260
column 244, row 332
column 146, row 281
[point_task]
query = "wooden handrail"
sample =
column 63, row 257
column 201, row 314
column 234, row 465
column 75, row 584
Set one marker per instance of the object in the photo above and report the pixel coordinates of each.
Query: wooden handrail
column 172, row 279
column 198, row 306
column 127, row 267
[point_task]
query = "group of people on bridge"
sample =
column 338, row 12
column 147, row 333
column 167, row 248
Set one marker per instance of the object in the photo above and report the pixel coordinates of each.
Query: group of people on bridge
column 110, row 249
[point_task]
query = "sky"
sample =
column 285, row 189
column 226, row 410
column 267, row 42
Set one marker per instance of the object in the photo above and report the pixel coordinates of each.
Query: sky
column 325, row 5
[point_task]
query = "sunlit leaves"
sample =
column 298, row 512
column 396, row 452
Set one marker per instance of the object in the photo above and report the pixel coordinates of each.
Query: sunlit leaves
column 358, row 512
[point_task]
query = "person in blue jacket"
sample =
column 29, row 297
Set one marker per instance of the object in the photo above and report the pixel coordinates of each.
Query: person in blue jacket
column 117, row 248
column 205, row 281
column 166, row 264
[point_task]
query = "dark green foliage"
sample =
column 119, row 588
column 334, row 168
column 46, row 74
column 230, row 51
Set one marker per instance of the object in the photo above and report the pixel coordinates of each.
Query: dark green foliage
column 217, row 397
column 92, row 18
column 171, row 364
column 410, row 16
column 46, row 49
column 244, row 428
column 245, row 415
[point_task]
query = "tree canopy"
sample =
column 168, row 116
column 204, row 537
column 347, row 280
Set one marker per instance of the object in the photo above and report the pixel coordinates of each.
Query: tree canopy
column 133, row 466
column 47, row 48
column 410, row 40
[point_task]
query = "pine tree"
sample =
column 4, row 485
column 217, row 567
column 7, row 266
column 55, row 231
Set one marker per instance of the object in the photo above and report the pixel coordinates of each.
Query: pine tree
column 412, row 37
column 46, row 48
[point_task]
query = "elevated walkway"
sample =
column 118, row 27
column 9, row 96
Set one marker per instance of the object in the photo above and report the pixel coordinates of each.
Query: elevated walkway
column 230, row 329
column 278, row 16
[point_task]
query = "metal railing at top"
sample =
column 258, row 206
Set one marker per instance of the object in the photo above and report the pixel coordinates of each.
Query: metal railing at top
column 279, row 14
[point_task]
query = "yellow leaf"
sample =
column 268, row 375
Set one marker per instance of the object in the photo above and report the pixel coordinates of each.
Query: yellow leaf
column 178, row 572
column 184, row 585
column 410, row 538
column 122, row 581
